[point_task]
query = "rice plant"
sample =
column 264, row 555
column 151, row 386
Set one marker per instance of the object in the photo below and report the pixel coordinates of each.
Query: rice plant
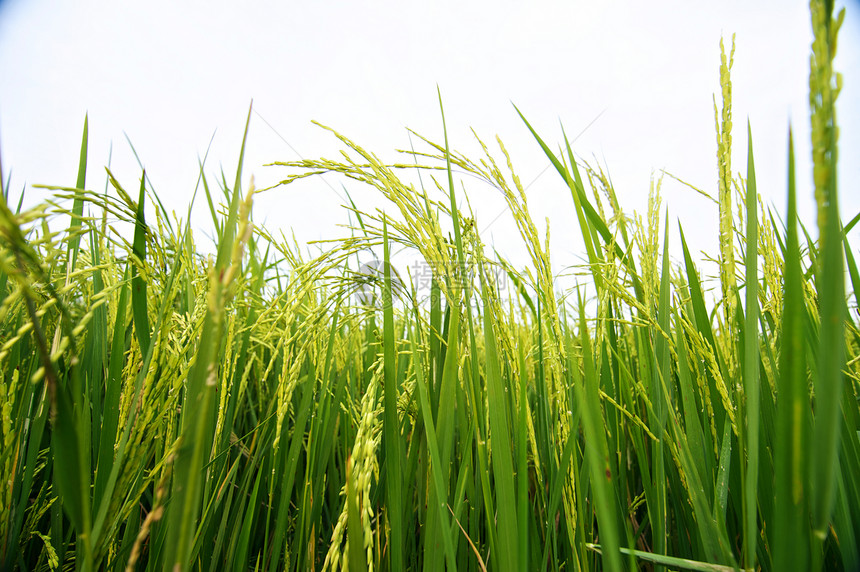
column 162, row 409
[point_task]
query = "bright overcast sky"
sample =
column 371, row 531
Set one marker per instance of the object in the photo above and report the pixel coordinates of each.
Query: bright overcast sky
column 637, row 82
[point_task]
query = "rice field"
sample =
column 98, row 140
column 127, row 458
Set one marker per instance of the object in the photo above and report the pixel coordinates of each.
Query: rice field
column 258, row 408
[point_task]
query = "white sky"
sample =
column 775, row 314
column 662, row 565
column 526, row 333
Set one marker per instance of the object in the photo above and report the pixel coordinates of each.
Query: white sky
column 170, row 74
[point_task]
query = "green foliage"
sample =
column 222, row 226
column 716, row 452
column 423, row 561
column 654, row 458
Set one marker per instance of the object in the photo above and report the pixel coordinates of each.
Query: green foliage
column 164, row 410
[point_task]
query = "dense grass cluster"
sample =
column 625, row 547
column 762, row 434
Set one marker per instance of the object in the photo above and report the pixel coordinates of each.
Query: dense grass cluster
column 166, row 410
